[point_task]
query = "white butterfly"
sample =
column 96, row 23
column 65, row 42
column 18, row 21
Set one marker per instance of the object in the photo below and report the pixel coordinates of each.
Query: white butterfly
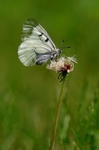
column 37, row 46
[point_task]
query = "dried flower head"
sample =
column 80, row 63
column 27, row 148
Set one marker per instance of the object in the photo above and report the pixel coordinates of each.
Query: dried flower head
column 62, row 66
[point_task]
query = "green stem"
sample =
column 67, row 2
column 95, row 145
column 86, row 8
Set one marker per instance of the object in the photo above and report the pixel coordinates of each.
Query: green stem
column 57, row 117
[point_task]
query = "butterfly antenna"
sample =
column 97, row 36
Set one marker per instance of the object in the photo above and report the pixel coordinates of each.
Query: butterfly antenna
column 64, row 46
column 61, row 44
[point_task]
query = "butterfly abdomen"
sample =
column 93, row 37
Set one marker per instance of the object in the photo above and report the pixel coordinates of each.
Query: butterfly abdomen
column 42, row 58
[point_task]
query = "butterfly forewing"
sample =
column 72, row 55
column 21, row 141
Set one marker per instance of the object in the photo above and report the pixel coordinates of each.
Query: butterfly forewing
column 36, row 43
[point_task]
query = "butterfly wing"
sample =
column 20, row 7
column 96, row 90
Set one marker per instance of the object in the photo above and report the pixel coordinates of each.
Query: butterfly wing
column 36, row 46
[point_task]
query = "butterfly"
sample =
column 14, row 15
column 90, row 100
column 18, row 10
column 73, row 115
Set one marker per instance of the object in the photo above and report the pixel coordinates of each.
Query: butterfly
column 37, row 46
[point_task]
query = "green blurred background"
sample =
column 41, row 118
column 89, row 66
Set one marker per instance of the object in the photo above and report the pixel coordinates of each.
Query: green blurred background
column 29, row 95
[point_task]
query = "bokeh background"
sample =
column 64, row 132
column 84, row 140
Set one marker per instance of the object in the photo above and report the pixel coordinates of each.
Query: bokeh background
column 29, row 95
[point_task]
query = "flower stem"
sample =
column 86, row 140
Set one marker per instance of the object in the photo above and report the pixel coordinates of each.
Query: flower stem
column 57, row 117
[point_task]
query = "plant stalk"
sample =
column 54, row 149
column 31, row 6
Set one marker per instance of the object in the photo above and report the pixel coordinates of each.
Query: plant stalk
column 57, row 117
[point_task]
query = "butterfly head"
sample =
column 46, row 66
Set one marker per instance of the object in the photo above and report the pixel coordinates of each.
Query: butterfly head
column 56, row 53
